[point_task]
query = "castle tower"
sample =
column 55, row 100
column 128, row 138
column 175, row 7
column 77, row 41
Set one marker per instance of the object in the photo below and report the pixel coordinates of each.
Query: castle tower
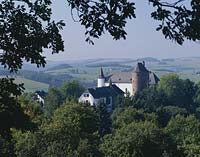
column 140, row 78
column 101, row 79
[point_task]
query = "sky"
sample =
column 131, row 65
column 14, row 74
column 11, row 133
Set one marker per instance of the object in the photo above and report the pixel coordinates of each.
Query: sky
column 142, row 40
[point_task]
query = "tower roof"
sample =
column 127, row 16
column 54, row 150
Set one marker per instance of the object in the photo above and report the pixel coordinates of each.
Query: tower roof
column 140, row 67
column 101, row 75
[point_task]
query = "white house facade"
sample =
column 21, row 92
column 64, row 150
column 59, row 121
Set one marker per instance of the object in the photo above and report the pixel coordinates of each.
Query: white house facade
column 87, row 98
column 96, row 96
column 39, row 96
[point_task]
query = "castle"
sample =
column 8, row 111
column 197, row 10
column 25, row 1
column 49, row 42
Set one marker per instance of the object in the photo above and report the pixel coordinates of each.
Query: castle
column 118, row 84
column 129, row 83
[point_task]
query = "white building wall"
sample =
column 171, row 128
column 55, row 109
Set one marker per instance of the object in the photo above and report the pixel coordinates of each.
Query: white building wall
column 90, row 99
column 94, row 102
column 123, row 87
column 100, row 82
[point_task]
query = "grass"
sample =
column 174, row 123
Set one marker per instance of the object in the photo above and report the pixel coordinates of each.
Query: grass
column 80, row 73
column 30, row 85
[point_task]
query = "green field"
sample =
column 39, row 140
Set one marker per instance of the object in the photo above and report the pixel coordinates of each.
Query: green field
column 32, row 86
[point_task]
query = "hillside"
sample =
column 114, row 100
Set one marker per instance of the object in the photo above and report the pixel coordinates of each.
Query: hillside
column 32, row 86
column 60, row 66
column 87, row 71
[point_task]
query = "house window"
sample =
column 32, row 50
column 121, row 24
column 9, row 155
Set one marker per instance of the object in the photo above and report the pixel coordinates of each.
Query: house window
column 101, row 100
column 107, row 100
column 87, row 102
column 86, row 95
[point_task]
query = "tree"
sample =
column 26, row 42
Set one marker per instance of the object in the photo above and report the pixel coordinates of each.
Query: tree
column 53, row 100
column 25, row 143
column 186, row 133
column 165, row 113
column 190, row 89
column 130, row 114
column 11, row 114
column 179, row 21
column 69, row 91
column 102, row 15
column 105, row 119
column 197, row 95
column 171, row 85
column 72, row 90
column 5, row 146
column 149, row 99
column 179, row 92
column 26, row 30
column 138, row 140
column 72, row 131
column 31, row 107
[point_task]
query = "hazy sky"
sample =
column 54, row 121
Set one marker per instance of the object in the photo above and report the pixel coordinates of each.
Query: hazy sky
column 142, row 39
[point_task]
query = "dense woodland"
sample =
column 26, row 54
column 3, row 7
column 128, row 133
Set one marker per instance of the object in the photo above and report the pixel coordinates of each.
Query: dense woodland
column 162, row 120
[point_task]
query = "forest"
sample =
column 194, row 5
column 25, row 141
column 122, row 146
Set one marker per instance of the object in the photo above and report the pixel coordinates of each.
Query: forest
column 162, row 121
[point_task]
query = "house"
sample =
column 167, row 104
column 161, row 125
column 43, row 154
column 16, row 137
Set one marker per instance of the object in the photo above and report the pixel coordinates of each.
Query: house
column 104, row 94
column 130, row 82
column 39, row 96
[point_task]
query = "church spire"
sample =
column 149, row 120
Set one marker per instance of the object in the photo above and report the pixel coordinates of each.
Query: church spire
column 101, row 75
column 101, row 80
